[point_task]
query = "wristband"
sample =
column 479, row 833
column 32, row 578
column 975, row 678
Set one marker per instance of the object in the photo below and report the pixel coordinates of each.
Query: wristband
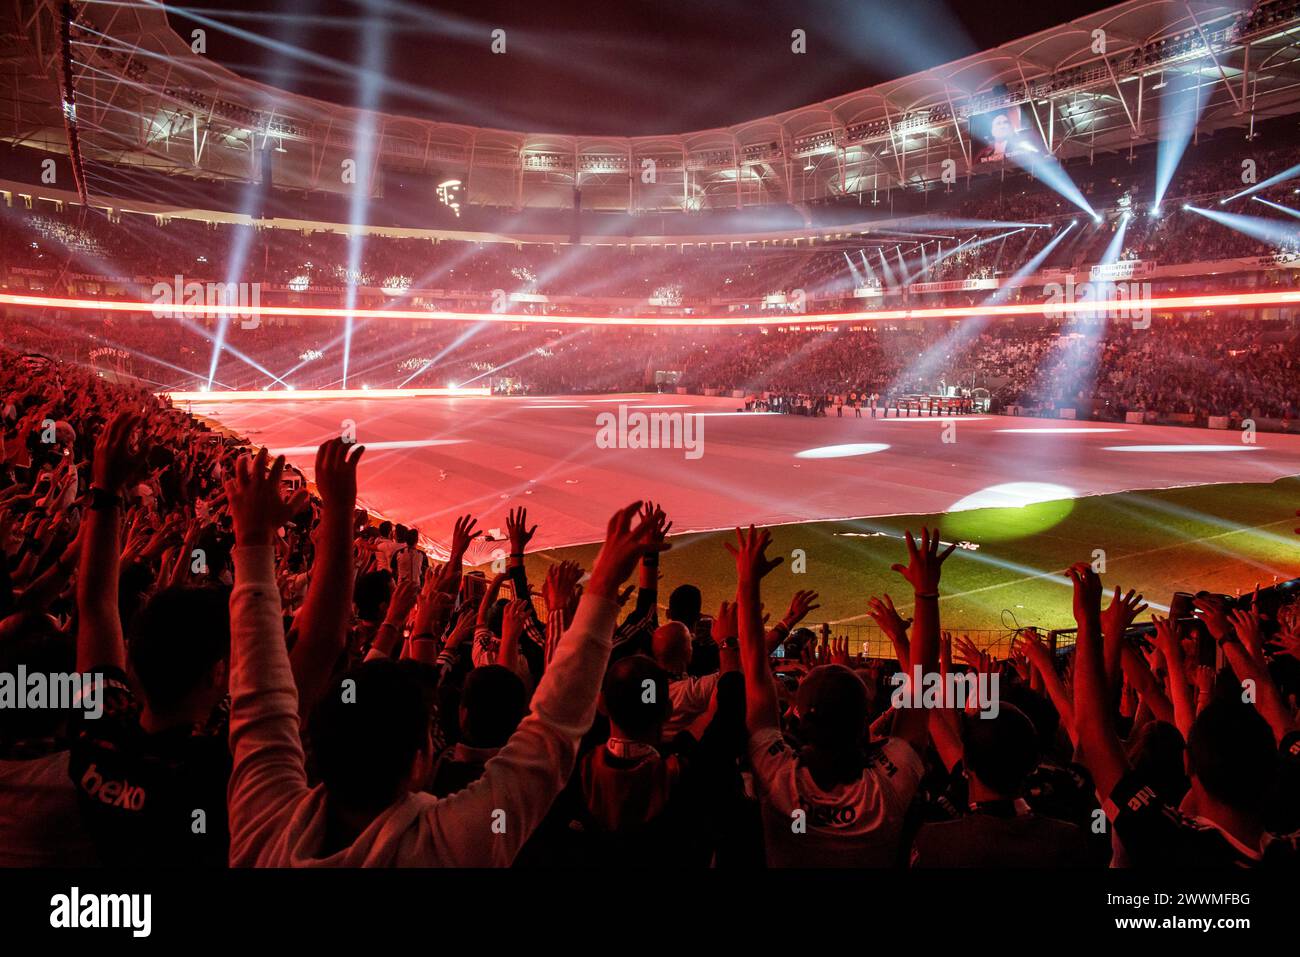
column 926, row 594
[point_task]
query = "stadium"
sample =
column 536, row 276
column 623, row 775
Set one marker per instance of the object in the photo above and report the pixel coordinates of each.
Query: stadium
column 1041, row 300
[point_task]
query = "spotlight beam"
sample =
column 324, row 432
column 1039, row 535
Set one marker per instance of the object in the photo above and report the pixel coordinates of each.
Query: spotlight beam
column 1281, row 177
column 1273, row 232
column 1278, row 206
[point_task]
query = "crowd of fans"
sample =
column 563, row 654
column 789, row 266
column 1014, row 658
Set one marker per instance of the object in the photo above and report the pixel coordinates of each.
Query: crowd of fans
column 976, row 238
column 1198, row 366
column 275, row 680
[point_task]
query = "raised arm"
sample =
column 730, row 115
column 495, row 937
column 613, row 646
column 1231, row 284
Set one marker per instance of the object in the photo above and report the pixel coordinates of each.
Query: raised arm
column 561, row 593
column 99, row 623
column 803, row 602
column 1115, row 621
column 751, row 566
column 388, row 637
column 327, row 608
column 1099, row 744
column 1044, row 665
column 1245, row 652
column 1169, row 642
column 923, row 570
column 882, row 612
column 519, row 784
column 726, row 635
column 462, row 535
column 269, row 767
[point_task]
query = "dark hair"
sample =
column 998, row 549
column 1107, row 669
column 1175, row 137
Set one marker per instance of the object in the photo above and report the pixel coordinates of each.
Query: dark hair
column 494, row 701
column 385, row 528
column 30, row 639
column 795, row 641
column 1232, row 752
column 624, row 692
column 1037, row 708
column 1158, row 754
column 176, row 638
column 832, row 706
column 1001, row 750
column 684, row 605
column 366, row 732
column 133, row 583
column 372, row 591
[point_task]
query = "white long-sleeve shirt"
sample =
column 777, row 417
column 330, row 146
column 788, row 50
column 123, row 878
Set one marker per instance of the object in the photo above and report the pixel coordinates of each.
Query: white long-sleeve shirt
column 276, row 820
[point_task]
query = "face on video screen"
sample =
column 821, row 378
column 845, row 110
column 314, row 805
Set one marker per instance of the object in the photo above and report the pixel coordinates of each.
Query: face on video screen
column 1004, row 133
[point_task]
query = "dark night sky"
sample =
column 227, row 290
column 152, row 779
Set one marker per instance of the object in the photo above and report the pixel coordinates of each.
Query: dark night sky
column 622, row 67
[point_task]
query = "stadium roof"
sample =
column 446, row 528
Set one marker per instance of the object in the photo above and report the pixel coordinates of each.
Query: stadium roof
column 145, row 99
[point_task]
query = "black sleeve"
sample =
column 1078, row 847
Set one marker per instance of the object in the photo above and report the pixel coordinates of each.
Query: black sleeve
column 1155, row 833
column 642, row 620
column 519, row 579
column 710, row 762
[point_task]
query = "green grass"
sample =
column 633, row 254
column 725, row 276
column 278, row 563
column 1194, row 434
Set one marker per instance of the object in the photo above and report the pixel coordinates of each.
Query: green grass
column 1220, row 537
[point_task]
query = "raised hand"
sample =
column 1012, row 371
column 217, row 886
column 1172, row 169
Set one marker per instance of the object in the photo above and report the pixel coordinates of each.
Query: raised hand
column 800, row 605
column 1037, row 653
column 624, row 546
column 514, row 619
column 490, row 598
column 1287, row 643
column 461, row 536
column 1087, row 592
column 1214, row 612
column 725, row 626
column 561, row 586
column 257, row 506
column 517, row 530
column 401, row 602
column 752, row 565
column 925, row 562
column 336, row 473
column 1249, row 630
column 970, row 655
column 882, row 611
column 1169, row 641
column 1121, row 613
column 463, row 628
column 117, row 463
column 431, row 611
column 839, row 651
column 654, row 514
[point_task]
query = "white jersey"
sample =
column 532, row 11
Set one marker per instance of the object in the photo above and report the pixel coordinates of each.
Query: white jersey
column 852, row 825
column 691, row 697
column 409, row 564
